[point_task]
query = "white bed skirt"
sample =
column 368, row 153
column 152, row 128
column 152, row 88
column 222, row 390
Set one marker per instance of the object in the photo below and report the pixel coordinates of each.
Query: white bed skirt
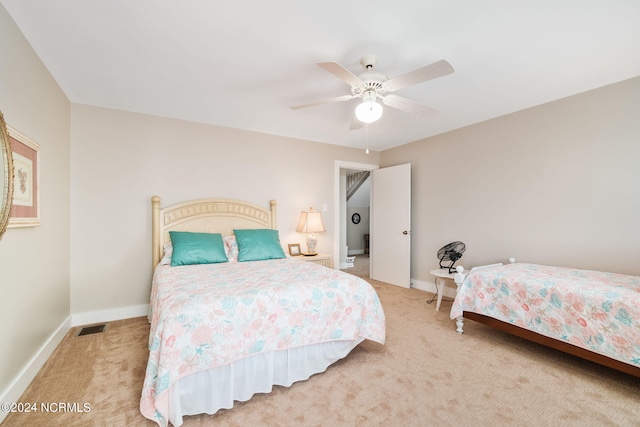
column 214, row 389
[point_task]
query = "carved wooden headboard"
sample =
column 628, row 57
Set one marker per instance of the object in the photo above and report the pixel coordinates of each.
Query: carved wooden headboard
column 206, row 216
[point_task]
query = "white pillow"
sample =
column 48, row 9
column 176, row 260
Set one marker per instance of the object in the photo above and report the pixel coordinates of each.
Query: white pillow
column 166, row 258
column 231, row 247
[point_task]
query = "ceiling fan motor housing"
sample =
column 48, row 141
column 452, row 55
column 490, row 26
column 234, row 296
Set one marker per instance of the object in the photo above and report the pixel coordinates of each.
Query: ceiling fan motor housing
column 369, row 61
column 370, row 81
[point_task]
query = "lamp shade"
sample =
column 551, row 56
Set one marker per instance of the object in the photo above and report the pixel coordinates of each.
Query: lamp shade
column 310, row 222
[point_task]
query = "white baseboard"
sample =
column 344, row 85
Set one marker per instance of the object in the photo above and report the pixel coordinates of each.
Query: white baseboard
column 31, row 369
column 449, row 288
column 109, row 315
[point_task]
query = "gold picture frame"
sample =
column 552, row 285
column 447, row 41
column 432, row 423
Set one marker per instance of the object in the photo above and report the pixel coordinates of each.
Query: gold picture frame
column 6, row 174
column 294, row 249
column 25, row 210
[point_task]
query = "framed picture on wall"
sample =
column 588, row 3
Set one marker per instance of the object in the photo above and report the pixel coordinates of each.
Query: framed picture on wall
column 25, row 211
column 294, row 249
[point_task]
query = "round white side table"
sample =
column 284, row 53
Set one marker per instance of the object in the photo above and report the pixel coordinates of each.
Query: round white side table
column 442, row 276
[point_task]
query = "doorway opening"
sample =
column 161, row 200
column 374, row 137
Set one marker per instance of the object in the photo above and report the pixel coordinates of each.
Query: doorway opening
column 390, row 221
column 352, row 221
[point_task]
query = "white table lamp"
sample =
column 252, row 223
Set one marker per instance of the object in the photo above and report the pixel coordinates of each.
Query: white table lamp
column 311, row 223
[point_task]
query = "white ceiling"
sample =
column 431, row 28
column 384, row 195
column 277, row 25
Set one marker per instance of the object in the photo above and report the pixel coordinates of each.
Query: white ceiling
column 243, row 63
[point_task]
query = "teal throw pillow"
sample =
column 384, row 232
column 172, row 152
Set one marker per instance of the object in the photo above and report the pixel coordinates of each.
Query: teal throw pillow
column 196, row 248
column 258, row 244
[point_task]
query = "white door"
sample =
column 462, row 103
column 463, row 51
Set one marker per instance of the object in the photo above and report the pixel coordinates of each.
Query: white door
column 390, row 235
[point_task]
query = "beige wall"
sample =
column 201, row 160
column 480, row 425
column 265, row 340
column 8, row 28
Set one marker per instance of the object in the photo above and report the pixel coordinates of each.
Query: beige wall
column 556, row 184
column 120, row 159
column 34, row 262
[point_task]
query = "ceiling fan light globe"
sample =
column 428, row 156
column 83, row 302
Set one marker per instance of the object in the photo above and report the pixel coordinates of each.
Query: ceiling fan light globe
column 369, row 111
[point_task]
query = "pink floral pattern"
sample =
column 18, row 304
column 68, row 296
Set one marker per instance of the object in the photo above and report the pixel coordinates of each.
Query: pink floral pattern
column 204, row 316
column 231, row 247
column 590, row 309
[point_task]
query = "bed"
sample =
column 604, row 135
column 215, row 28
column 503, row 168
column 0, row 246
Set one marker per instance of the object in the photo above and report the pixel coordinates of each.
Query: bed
column 590, row 314
column 227, row 323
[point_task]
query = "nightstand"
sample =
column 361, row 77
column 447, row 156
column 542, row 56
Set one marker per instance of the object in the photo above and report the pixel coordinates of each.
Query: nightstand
column 322, row 259
column 442, row 276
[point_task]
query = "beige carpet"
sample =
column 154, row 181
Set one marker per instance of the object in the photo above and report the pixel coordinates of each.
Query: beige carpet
column 360, row 267
column 426, row 375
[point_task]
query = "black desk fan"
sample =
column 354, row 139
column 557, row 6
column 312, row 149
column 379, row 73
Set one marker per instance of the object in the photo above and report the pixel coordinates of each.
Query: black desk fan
column 451, row 253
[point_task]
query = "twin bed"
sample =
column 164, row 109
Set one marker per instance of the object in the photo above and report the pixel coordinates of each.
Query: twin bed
column 232, row 322
column 589, row 314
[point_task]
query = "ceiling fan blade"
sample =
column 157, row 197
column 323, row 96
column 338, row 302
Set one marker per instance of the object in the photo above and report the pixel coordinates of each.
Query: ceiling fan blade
column 428, row 72
column 408, row 106
column 340, row 72
column 326, row 101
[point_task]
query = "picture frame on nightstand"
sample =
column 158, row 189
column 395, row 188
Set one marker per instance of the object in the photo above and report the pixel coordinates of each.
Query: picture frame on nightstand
column 294, row 249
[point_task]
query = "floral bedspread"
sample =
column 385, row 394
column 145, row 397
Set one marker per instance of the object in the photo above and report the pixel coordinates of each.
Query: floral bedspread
column 204, row 316
column 590, row 309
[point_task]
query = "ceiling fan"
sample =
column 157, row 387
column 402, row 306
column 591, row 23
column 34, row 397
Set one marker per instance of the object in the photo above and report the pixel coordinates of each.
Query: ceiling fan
column 371, row 85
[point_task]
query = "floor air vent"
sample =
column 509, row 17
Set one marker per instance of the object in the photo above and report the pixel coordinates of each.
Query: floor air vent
column 95, row 329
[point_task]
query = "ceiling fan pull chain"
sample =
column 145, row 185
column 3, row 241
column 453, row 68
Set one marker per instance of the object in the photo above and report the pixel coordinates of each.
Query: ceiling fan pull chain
column 367, row 147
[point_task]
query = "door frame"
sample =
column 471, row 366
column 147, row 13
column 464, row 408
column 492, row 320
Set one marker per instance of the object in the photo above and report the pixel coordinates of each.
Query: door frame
column 338, row 218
